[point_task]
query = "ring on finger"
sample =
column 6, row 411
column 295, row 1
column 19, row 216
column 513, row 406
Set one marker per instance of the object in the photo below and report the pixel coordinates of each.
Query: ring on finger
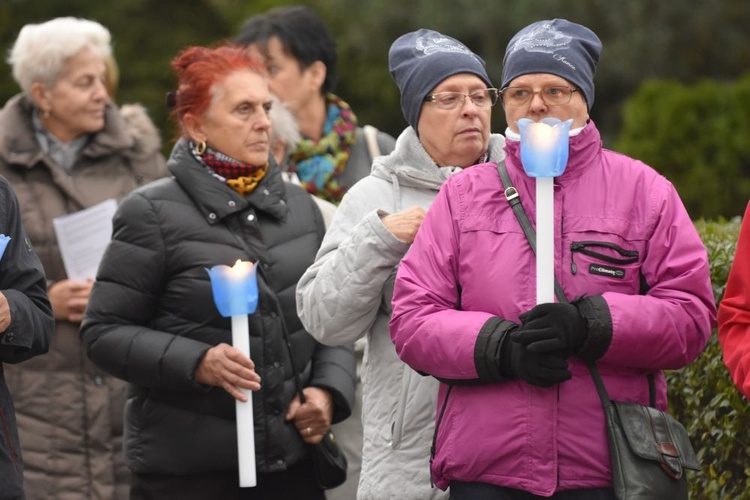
column 309, row 431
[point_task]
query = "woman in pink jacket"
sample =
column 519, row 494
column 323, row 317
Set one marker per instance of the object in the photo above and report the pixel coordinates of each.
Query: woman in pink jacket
column 517, row 411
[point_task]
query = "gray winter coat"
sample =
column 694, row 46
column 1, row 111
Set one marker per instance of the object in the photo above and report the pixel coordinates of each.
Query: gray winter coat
column 69, row 411
column 346, row 294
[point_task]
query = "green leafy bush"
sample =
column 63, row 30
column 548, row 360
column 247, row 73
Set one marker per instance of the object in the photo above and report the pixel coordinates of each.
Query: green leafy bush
column 703, row 397
column 696, row 136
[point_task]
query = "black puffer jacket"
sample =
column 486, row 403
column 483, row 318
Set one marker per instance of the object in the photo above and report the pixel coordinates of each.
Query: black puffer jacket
column 151, row 318
column 23, row 283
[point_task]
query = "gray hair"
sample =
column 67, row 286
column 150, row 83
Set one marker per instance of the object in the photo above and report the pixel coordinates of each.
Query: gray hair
column 284, row 127
column 41, row 50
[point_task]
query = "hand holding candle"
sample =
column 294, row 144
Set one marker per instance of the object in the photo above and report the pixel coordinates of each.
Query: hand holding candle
column 235, row 293
column 544, row 155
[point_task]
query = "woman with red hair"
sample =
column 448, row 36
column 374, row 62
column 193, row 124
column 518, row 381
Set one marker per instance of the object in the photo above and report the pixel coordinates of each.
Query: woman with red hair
column 151, row 318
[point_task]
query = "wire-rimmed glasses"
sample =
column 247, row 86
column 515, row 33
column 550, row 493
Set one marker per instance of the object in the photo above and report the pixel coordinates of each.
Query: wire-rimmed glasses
column 482, row 98
column 552, row 96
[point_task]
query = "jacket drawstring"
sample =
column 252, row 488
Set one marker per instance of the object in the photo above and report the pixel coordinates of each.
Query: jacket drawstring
column 396, row 192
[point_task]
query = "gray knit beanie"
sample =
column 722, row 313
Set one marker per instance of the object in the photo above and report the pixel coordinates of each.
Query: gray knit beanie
column 558, row 47
column 420, row 60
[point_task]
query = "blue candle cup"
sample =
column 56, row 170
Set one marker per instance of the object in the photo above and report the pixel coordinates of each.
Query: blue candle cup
column 235, row 288
column 544, row 146
column 3, row 244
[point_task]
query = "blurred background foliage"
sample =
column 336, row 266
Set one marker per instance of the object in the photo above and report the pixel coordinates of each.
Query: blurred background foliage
column 678, row 59
column 698, row 136
column 671, row 90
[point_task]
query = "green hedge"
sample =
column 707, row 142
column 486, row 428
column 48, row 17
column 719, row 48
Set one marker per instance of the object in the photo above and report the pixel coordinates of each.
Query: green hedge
column 696, row 136
column 703, row 397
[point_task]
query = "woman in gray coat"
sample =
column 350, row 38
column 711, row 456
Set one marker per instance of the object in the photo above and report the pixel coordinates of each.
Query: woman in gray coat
column 446, row 98
column 65, row 147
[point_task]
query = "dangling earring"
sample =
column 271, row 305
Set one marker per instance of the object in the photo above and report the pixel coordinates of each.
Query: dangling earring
column 200, row 147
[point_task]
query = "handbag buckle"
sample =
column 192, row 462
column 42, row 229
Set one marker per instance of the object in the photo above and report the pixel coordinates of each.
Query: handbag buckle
column 511, row 193
column 669, row 451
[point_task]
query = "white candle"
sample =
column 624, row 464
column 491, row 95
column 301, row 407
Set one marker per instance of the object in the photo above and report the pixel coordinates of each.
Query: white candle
column 244, row 411
column 545, row 240
column 235, row 292
column 544, row 155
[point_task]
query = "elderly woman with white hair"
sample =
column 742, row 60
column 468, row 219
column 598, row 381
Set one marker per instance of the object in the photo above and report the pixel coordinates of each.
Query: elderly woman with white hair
column 285, row 134
column 65, row 147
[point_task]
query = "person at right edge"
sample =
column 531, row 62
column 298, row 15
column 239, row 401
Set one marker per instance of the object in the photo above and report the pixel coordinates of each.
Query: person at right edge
column 447, row 99
column 518, row 415
column 734, row 313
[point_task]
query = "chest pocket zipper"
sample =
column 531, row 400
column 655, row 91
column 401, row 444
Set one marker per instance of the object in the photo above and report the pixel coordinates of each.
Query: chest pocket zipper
column 585, row 247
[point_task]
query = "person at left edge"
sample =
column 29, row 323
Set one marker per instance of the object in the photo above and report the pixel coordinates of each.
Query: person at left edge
column 26, row 325
column 152, row 321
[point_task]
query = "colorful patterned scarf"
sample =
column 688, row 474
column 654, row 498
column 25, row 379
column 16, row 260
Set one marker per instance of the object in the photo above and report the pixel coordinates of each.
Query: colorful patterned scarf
column 319, row 163
column 241, row 177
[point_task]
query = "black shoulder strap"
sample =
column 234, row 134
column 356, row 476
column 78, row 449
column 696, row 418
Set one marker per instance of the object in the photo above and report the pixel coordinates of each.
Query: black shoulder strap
column 511, row 194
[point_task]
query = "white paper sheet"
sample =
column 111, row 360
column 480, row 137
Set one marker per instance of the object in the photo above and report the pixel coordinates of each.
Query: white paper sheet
column 83, row 236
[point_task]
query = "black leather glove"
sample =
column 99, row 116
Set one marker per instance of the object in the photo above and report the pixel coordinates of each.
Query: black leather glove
column 540, row 369
column 552, row 327
column 498, row 358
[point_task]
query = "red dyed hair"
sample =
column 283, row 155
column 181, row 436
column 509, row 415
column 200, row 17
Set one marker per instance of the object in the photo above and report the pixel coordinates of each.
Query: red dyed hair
column 198, row 69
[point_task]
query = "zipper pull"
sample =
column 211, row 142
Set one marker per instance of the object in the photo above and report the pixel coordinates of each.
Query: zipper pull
column 573, row 267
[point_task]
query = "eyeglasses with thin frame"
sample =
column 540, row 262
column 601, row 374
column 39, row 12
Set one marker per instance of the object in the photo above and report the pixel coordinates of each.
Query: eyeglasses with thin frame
column 482, row 98
column 552, row 96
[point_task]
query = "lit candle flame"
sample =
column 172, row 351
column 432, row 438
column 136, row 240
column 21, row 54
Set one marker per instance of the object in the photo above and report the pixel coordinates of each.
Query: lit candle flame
column 235, row 288
column 544, row 146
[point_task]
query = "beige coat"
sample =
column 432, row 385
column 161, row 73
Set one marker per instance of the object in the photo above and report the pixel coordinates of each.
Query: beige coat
column 70, row 412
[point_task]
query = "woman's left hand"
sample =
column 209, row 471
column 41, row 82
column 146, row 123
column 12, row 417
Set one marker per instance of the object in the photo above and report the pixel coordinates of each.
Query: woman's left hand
column 313, row 418
column 69, row 299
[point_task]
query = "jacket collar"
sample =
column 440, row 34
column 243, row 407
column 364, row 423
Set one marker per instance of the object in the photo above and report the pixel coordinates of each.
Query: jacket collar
column 215, row 199
column 411, row 166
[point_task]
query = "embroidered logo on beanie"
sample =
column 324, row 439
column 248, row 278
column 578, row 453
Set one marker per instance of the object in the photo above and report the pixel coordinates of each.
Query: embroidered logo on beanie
column 544, row 38
column 557, row 47
column 420, row 60
column 433, row 42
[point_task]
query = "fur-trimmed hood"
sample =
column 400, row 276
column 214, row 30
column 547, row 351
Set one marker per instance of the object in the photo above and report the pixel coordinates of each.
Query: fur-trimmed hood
column 138, row 123
column 127, row 131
